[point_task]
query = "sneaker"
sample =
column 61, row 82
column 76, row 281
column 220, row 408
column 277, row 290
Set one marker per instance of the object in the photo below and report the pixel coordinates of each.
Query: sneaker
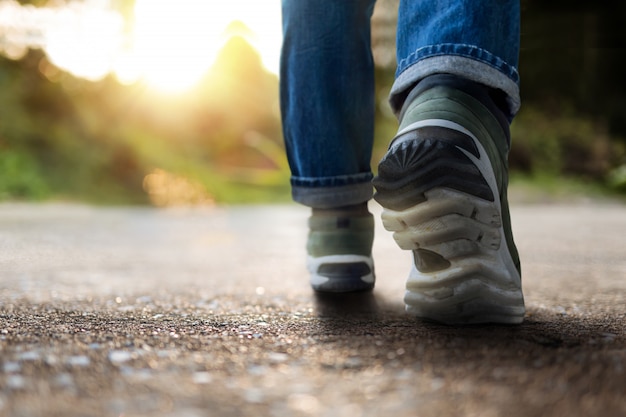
column 339, row 250
column 443, row 187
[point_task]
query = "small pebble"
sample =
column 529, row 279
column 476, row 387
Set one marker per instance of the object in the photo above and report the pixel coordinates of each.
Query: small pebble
column 119, row 356
column 201, row 378
column 80, row 360
column 30, row 355
column 12, row 367
column 276, row 357
column 64, row 380
column 16, row 382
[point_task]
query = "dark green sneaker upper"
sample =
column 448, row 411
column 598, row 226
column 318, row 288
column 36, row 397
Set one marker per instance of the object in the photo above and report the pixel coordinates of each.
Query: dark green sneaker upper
column 471, row 107
column 333, row 235
column 339, row 248
column 443, row 186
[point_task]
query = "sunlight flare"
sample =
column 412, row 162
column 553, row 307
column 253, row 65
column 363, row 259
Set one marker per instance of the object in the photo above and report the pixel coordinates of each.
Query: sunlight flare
column 170, row 44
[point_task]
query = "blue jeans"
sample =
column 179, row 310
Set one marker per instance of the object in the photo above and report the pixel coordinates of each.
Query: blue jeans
column 327, row 79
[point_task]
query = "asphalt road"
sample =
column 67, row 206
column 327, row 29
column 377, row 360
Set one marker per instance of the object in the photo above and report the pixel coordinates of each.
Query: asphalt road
column 207, row 312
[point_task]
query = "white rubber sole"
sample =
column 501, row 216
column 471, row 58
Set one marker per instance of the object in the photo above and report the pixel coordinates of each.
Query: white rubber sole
column 481, row 283
column 345, row 283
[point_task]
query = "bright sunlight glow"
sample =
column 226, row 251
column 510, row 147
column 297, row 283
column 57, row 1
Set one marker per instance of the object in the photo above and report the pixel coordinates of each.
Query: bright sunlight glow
column 171, row 44
column 175, row 42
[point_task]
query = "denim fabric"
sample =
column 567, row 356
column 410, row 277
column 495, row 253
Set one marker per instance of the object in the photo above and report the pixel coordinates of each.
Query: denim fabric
column 327, row 97
column 474, row 39
column 327, row 79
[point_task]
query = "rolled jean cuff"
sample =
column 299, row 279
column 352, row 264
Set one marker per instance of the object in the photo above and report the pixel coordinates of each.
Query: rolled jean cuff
column 332, row 192
column 469, row 68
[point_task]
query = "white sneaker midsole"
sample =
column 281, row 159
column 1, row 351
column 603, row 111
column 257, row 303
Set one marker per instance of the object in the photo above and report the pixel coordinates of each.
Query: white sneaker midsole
column 313, row 265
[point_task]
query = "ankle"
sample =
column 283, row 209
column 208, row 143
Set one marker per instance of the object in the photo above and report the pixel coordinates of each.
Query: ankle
column 492, row 99
column 355, row 210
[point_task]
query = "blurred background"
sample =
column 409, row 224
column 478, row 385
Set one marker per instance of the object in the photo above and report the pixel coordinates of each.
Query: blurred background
column 176, row 102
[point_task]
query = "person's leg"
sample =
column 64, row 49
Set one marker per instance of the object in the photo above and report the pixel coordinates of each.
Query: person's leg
column 443, row 181
column 327, row 100
column 327, row 106
column 477, row 40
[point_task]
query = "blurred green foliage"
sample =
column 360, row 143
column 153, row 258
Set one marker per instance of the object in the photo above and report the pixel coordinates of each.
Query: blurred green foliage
column 573, row 117
column 64, row 137
column 562, row 142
